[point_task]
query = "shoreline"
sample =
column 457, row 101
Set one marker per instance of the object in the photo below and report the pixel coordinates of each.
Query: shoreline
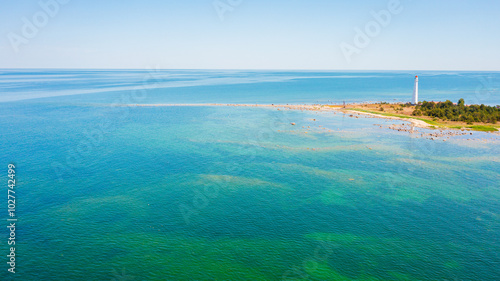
column 348, row 109
column 415, row 122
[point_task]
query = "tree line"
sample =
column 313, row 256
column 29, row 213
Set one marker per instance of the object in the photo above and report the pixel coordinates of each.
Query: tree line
column 459, row 112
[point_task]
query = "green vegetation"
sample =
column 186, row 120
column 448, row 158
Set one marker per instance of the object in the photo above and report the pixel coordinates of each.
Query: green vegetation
column 434, row 124
column 483, row 128
column 459, row 112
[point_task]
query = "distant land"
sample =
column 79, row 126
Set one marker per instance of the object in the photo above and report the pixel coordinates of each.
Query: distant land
column 446, row 115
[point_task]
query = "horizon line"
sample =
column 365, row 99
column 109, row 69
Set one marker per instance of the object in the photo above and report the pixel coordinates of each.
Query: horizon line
column 241, row 69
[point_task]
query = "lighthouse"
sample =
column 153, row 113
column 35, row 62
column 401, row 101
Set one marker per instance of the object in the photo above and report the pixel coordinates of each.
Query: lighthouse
column 415, row 92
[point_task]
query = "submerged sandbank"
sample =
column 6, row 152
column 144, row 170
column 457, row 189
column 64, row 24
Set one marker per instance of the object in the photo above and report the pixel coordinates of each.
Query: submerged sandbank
column 350, row 109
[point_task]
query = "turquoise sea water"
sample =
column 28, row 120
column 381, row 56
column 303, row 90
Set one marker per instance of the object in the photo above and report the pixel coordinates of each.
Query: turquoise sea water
column 237, row 193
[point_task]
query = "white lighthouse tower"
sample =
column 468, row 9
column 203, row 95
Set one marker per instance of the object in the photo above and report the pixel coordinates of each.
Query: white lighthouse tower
column 415, row 92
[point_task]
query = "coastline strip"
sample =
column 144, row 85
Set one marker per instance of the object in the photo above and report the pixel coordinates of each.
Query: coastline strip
column 350, row 109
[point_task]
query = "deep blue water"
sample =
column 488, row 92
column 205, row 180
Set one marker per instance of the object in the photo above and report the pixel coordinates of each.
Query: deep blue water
column 185, row 86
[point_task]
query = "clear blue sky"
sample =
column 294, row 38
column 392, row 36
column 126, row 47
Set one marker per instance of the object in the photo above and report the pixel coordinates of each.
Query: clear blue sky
column 256, row 34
